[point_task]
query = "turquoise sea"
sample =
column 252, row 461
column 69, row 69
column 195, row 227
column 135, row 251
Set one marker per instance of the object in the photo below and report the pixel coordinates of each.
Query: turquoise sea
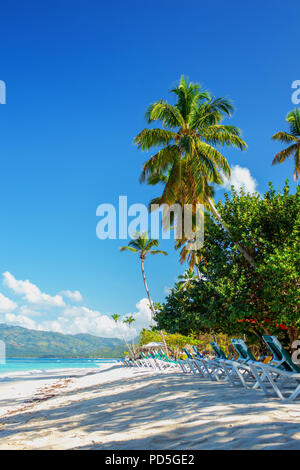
column 41, row 364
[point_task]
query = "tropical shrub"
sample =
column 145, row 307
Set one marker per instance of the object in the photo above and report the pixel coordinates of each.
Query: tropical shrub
column 234, row 297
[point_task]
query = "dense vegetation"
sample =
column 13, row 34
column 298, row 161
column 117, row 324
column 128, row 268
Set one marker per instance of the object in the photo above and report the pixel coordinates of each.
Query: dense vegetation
column 21, row 342
column 234, row 297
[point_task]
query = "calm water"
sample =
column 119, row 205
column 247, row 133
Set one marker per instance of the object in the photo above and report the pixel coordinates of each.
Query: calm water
column 15, row 365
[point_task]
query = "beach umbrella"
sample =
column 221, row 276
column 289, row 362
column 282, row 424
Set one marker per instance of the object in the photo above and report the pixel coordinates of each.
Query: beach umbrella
column 152, row 345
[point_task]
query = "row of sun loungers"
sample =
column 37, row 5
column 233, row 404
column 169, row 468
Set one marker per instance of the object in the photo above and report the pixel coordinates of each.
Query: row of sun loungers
column 281, row 376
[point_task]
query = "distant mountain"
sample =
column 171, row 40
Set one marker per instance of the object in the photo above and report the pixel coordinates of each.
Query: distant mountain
column 22, row 342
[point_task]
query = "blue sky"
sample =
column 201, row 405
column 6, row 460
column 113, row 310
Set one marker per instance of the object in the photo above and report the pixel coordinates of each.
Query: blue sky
column 79, row 75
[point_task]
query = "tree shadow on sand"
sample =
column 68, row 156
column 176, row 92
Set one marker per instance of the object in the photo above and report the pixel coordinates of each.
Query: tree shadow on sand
column 199, row 415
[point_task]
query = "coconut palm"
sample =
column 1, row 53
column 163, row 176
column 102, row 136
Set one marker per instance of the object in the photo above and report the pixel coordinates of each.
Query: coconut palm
column 116, row 318
column 129, row 320
column 192, row 257
column 186, row 280
column 187, row 163
column 292, row 137
column 143, row 245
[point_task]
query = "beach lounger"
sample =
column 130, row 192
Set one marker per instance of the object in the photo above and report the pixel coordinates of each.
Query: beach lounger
column 244, row 353
column 236, row 371
column 207, row 367
column 281, row 357
column 189, row 361
column 281, row 373
column 172, row 363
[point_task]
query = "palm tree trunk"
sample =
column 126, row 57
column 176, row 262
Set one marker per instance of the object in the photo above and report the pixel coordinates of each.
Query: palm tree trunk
column 239, row 247
column 133, row 346
column 151, row 305
column 199, row 273
column 147, row 290
column 198, row 270
column 123, row 338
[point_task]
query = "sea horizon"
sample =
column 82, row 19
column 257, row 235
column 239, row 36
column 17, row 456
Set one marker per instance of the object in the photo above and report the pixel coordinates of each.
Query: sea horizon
column 28, row 364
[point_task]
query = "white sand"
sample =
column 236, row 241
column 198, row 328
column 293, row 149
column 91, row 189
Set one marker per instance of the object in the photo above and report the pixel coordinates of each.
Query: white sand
column 122, row 408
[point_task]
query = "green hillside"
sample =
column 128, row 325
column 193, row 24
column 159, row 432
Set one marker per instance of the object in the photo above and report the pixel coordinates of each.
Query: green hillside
column 22, row 342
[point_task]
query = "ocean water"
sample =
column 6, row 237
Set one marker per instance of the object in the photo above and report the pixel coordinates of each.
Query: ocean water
column 27, row 365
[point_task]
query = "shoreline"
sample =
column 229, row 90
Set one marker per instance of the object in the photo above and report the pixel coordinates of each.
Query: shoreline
column 124, row 408
column 20, row 388
column 11, row 372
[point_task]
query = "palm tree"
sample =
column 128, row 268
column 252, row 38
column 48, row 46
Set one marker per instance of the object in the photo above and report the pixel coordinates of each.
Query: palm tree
column 129, row 320
column 192, row 257
column 116, row 318
column 143, row 245
column 188, row 163
column 186, row 280
column 293, row 137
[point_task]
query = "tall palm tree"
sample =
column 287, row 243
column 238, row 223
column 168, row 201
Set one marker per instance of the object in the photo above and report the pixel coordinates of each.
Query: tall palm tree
column 293, row 137
column 187, row 161
column 129, row 320
column 116, row 318
column 143, row 245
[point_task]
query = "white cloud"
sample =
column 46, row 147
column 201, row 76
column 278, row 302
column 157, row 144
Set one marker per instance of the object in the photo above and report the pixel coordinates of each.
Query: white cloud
column 79, row 319
column 27, row 310
column 84, row 320
column 75, row 295
column 20, row 320
column 142, row 316
column 36, row 312
column 31, row 292
column 6, row 305
column 240, row 178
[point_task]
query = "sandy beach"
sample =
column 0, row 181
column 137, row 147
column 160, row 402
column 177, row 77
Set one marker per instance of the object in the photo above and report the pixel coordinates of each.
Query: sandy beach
column 122, row 408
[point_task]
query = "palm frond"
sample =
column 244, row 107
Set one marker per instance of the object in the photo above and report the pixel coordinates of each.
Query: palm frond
column 158, row 252
column 281, row 156
column 293, row 118
column 218, row 134
column 160, row 161
column 284, row 137
column 167, row 114
column 128, row 248
column 149, row 138
column 212, row 157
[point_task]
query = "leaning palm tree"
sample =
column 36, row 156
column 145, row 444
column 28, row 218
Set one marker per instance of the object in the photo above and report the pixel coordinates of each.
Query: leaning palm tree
column 143, row 245
column 116, row 318
column 129, row 320
column 188, row 162
column 292, row 137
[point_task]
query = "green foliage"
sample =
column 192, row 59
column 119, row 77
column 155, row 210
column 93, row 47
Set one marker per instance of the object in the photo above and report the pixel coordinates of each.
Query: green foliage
column 234, row 297
column 172, row 340
column 176, row 341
